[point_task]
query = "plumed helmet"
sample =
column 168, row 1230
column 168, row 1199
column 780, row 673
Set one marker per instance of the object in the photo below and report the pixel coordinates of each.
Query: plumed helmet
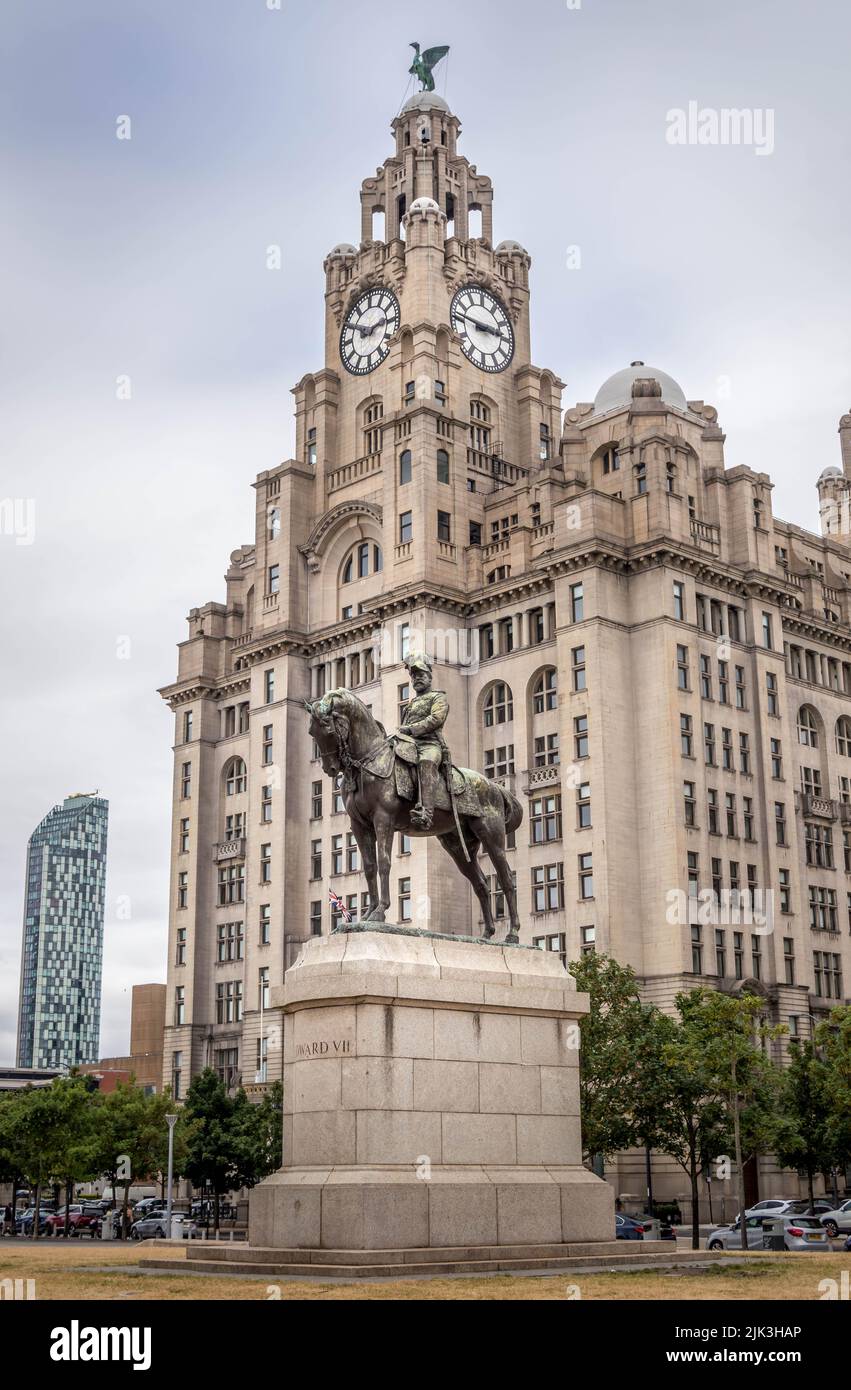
column 417, row 661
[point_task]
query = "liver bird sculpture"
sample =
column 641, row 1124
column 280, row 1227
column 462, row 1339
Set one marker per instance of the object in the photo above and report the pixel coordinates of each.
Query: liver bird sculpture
column 425, row 63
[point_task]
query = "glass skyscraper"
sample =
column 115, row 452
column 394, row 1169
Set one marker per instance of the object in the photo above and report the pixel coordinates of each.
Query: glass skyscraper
column 62, row 953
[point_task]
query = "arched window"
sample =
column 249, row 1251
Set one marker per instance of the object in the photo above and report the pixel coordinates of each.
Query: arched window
column 364, row 560
column 373, row 433
column 843, row 736
column 442, row 466
column 405, row 467
column 546, row 692
column 236, row 777
column 499, row 705
column 807, row 727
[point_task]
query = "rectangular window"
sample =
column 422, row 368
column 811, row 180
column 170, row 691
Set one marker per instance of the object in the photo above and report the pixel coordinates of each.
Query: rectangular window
column 679, row 601
column 548, row 888
column 176, row 1075
column 184, row 836
column 475, row 533
column 406, row 910
column 785, row 892
column 723, row 683
column 589, row 939
column 186, row 782
column 727, row 749
column 780, row 822
column 266, row 805
column 187, row 726
column 732, row 820
column 545, row 819
column 748, row 817
column 274, row 579
column 179, row 1006
column 406, row 528
column 586, row 877
column 712, row 802
column 690, row 804
column 269, row 687
column 180, row 954
column 577, row 602
column 720, row 952
column 336, row 855
column 696, row 950
column 316, row 801
column 316, row 860
column 265, row 925
column 182, row 891
column 682, row 668
column 579, row 675
column 444, row 527
column 776, row 760
column 772, row 702
column 580, row 737
column 316, row 919
column 546, row 751
column 709, row 744
column 583, row 806
column 789, row 959
column 706, row 678
column 741, row 690
column 265, row 863
column 686, row 736
column 745, row 754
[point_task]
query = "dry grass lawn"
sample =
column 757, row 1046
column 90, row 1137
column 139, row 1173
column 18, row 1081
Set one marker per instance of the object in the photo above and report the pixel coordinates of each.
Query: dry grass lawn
column 94, row 1272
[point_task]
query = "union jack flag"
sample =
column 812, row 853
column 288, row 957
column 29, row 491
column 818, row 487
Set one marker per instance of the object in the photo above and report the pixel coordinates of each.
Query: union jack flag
column 339, row 906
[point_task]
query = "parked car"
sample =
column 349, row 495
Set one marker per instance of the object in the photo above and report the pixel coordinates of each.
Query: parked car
column 628, row 1229
column 771, row 1206
column 156, row 1227
column 24, row 1222
column 83, row 1219
column 148, row 1206
column 799, row 1233
column 839, row 1219
column 819, row 1207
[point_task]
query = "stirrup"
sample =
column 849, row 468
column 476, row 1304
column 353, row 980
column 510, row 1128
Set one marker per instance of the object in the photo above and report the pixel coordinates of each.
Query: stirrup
column 422, row 818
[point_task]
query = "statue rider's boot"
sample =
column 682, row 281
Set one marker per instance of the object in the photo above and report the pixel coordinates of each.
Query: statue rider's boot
column 423, row 814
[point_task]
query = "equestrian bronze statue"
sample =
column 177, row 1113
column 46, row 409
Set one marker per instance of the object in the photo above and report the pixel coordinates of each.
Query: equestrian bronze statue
column 406, row 783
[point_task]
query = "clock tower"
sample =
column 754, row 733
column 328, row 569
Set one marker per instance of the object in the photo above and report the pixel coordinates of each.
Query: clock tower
column 426, row 473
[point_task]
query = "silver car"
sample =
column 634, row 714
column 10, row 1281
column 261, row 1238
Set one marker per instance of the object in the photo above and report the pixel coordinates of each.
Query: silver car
column 799, row 1233
column 838, row 1220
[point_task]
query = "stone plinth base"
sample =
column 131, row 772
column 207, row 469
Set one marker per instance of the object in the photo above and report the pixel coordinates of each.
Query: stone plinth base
column 431, row 1098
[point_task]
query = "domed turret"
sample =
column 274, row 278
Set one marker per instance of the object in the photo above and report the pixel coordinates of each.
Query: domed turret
column 617, row 393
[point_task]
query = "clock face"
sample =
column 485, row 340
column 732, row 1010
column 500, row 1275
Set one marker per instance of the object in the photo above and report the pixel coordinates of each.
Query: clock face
column 369, row 329
column 484, row 328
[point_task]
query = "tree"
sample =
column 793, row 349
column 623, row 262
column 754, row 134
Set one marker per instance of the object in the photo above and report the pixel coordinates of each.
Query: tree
column 131, row 1138
column 805, row 1135
column 619, row 1072
column 216, row 1153
column 720, row 1033
column 43, row 1133
column 833, row 1041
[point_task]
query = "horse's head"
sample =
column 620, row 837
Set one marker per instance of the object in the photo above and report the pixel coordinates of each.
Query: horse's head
column 343, row 728
column 329, row 727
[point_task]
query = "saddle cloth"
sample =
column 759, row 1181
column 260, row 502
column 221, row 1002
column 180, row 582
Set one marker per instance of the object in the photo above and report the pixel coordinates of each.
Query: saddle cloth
column 399, row 762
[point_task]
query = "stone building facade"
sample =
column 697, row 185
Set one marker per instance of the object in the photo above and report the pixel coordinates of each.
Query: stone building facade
column 656, row 665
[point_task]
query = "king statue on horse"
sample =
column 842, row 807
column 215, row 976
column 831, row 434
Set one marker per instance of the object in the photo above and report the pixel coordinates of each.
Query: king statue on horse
column 406, row 782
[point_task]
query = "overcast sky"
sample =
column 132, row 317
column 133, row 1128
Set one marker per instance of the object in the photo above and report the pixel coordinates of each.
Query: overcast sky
column 253, row 126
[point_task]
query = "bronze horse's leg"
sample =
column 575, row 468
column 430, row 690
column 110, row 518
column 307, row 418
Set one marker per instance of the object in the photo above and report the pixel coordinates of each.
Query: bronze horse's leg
column 365, row 836
column 383, row 832
column 472, row 871
column 491, row 832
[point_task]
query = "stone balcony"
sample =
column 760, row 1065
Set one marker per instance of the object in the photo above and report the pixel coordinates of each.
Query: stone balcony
column 819, row 807
column 228, row 851
column 539, row 777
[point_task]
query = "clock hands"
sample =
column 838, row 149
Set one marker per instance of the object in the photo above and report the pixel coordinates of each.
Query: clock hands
column 484, row 327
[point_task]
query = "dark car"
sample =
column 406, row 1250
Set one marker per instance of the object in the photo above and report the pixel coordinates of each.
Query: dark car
column 24, row 1223
column 628, row 1229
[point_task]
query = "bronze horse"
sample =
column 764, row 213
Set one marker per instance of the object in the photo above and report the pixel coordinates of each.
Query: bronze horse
column 355, row 745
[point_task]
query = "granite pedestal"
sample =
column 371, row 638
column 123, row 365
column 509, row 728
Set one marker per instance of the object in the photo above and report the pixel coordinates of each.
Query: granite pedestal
column 431, row 1100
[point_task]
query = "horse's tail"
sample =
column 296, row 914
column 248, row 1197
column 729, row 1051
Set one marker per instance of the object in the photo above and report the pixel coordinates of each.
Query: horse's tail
column 513, row 810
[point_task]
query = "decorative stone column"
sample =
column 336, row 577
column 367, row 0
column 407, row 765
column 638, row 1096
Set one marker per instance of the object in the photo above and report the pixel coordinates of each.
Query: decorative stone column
column 431, row 1098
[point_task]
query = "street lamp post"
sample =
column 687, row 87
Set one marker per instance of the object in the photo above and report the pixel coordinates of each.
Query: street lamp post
column 171, row 1121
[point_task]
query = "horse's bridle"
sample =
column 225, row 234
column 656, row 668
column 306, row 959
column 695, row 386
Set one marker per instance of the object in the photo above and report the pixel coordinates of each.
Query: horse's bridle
column 347, row 762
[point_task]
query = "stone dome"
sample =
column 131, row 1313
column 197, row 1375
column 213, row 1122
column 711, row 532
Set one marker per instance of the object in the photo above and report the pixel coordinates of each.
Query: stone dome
column 425, row 205
column 616, row 393
column 344, row 249
column 424, row 101
column 505, row 248
column 831, row 472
